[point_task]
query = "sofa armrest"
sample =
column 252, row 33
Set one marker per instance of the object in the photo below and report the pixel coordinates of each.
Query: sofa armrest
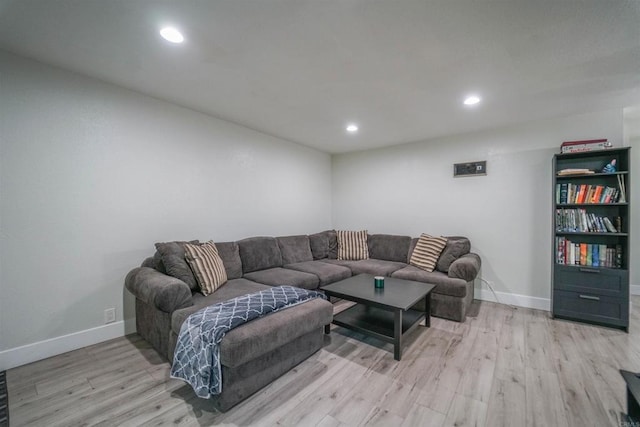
column 466, row 267
column 164, row 292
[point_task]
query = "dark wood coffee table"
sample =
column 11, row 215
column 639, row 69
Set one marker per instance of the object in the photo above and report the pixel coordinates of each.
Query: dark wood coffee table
column 385, row 314
column 633, row 396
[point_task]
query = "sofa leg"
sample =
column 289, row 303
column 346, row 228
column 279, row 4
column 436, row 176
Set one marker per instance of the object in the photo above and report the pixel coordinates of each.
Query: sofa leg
column 327, row 328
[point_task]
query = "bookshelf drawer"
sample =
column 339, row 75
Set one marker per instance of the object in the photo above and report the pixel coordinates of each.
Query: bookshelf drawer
column 592, row 280
column 589, row 307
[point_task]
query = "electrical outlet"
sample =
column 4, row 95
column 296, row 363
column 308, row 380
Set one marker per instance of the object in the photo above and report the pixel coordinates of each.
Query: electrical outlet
column 110, row 315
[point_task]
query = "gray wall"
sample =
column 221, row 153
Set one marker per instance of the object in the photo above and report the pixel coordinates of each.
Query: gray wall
column 91, row 175
column 410, row 189
column 632, row 139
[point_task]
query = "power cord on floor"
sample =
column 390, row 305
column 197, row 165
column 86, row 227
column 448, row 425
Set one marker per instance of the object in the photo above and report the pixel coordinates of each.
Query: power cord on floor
column 494, row 293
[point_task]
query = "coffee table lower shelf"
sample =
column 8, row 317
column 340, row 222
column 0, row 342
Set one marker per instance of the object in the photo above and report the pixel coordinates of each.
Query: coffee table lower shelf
column 380, row 324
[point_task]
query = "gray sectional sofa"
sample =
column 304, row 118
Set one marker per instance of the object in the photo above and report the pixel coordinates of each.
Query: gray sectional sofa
column 258, row 352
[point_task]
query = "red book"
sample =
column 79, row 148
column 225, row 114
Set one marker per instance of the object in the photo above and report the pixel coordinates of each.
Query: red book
column 578, row 194
column 584, row 189
column 583, row 254
column 586, row 141
column 597, row 194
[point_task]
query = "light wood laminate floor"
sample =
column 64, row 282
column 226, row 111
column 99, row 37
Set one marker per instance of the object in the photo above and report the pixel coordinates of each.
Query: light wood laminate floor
column 504, row 367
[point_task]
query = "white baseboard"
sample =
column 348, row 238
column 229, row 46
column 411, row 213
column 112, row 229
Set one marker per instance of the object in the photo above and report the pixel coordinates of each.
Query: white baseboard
column 41, row 350
column 513, row 299
column 634, row 289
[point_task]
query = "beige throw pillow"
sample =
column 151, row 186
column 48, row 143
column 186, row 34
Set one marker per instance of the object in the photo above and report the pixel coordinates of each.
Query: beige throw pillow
column 207, row 266
column 352, row 245
column 427, row 252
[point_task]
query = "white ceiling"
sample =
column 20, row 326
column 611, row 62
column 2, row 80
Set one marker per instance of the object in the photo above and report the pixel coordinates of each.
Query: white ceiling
column 302, row 69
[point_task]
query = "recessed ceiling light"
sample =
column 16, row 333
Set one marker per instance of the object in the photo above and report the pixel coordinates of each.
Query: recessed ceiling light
column 172, row 35
column 352, row 128
column 471, row 100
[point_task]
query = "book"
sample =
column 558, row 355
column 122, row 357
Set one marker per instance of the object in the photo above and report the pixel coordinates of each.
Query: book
column 571, row 193
column 583, row 254
column 603, row 228
column 566, row 172
column 594, row 221
column 622, row 198
column 567, row 251
column 595, row 255
column 578, row 194
column 559, row 250
column 618, row 263
column 572, row 254
column 586, row 145
column 584, row 189
column 589, row 254
column 609, row 225
column 597, row 193
column 602, row 253
column 576, row 251
column 563, row 194
column 590, row 193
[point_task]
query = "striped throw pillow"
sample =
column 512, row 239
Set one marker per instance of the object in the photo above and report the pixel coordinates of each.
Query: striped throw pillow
column 352, row 245
column 207, row 266
column 427, row 252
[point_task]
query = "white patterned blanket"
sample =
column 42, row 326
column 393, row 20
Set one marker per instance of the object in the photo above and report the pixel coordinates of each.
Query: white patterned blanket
column 197, row 356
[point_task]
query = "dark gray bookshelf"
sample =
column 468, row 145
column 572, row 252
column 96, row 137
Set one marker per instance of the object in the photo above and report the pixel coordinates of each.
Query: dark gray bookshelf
column 584, row 290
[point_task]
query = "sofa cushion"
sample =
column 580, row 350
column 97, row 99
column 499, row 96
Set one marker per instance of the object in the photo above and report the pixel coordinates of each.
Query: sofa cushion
column 274, row 330
column 259, row 253
column 232, row 289
column 389, row 247
column 377, row 267
column 412, row 246
column 319, row 243
column 352, row 245
column 294, row 249
column 230, row 254
column 172, row 255
column 427, row 250
column 206, row 265
column 444, row 284
column 155, row 262
column 333, row 244
column 284, row 277
column 456, row 247
column 327, row 273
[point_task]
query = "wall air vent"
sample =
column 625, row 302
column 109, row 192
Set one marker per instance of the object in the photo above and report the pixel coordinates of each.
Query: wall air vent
column 470, row 169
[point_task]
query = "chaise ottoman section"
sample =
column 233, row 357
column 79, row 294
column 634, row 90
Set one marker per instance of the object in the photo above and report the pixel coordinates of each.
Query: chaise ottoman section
column 232, row 289
column 327, row 273
column 238, row 383
column 260, row 351
column 274, row 330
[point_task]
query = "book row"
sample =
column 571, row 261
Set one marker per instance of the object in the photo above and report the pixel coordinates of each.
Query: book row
column 578, row 220
column 588, row 254
column 568, row 193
